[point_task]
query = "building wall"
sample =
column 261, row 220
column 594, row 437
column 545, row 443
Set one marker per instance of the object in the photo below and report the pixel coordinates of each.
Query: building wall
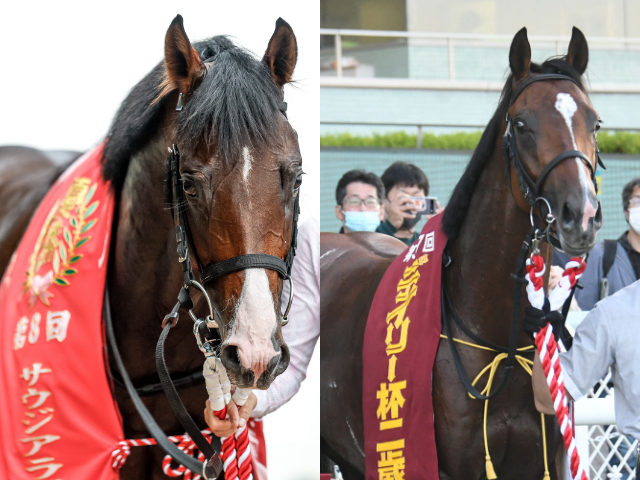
column 607, row 18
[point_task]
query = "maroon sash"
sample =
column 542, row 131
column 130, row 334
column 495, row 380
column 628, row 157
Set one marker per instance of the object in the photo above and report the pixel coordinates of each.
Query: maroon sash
column 400, row 344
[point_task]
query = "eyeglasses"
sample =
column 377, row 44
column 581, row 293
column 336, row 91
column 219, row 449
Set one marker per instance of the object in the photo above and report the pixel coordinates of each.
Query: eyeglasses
column 634, row 202
column 355, row 202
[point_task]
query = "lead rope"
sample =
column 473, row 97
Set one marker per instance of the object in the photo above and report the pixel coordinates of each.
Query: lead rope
column 236, row 451
column 548, row 348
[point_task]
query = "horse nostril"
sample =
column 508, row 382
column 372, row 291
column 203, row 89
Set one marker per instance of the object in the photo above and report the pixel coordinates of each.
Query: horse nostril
column 230, row 357
column 568, row 220
column 598, row 217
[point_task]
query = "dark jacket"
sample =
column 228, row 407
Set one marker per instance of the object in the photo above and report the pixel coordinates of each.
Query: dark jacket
column 620, row 275
column 388, row 229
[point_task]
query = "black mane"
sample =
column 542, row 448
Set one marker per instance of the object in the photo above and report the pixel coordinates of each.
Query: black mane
column 456, row 211
column 236, row 104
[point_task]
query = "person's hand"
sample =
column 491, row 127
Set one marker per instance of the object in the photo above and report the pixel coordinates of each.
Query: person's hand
column 439, row 209
column 536, row 319
column 399, row 209
column 555, row 274
column 238, row 417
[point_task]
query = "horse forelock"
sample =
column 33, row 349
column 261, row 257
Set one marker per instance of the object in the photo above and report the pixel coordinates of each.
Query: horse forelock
column 236, row 104
column 460, row 200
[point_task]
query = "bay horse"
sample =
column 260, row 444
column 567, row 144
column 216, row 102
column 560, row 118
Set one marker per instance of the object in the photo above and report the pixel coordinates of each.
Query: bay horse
column 486, row 221
column 241, row 172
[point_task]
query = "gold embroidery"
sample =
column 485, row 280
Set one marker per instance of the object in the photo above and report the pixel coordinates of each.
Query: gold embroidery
column 62, row 233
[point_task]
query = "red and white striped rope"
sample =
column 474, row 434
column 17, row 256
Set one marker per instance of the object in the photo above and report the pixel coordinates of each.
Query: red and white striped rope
column 550, row 360
column 549, row 351
column 185, row 443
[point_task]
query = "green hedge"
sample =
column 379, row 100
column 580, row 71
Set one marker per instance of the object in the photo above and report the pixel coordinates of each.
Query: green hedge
column 609, row 142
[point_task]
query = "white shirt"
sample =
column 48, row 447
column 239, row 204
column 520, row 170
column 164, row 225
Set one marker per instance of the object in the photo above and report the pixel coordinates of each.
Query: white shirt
column 303, row 329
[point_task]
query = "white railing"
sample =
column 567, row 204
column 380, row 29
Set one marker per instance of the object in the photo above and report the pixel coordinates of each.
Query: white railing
column 452, row 40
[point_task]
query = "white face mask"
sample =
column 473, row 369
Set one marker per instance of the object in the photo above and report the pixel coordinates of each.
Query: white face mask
column 634, row 219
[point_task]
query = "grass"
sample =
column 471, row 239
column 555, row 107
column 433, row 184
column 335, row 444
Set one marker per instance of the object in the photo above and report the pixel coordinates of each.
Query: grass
column 608, row 142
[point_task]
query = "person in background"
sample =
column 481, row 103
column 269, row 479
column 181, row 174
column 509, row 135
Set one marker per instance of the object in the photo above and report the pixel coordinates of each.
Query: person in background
column 402, row 181
column 608, row 337
column 300, row 334
column 359, row 201
column 621, row 258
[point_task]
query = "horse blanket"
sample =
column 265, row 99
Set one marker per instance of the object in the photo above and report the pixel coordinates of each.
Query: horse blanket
column 59, row 420
column 400, row 344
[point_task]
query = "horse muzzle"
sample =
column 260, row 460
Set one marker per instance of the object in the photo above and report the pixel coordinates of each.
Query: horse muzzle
column 252, row 368
column 578, row 224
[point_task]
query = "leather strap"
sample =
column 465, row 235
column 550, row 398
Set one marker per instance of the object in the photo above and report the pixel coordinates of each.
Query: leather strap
column 242, row 262
column 213, row 466
column 563, row 156
column 209, row 450
column 512, row 348
column 188, row 380
column 541, row 78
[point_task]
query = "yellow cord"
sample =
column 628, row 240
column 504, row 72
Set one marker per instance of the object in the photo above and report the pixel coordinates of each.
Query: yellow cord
column 544, row 449
column 492, row 368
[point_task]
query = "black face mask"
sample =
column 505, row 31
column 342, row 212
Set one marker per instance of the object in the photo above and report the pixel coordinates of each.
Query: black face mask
column 409, row 223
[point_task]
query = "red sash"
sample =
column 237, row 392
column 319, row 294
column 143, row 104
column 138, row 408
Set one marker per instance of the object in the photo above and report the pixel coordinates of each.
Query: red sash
column 400, row 344
column 59, row 420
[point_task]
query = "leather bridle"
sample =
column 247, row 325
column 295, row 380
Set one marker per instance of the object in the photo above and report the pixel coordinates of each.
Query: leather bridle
column 531, row 191
column 175, row 197
column 207, row 331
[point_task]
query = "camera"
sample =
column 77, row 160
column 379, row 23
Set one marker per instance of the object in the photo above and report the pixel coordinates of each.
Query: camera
column 424, row 205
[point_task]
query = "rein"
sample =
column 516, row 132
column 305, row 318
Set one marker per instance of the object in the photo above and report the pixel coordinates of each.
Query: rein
column 208, row 331
column 531, row 190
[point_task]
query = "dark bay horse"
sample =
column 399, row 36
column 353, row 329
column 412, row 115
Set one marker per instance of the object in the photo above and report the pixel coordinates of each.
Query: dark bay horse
column 241, row 173
column 486, row 221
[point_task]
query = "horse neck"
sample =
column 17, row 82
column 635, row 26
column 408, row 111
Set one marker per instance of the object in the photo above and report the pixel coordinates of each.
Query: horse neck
column 485, row 253
column 145, row 276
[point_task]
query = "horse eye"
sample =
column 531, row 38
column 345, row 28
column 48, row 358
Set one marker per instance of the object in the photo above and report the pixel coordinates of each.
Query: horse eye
column 598, row 125
column 520, row 126
column 188, row 187
column 298, row 182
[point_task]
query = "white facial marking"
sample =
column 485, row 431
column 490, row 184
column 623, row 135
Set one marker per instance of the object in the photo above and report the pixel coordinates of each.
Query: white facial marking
column 566, row 105
column 255, row 322
column 246, row 168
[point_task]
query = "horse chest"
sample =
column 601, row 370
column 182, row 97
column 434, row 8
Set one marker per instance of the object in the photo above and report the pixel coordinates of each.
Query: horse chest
column 513, row 431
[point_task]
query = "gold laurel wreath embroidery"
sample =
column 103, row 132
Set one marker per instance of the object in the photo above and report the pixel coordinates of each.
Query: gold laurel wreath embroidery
column 75, row 207
column 65, row 256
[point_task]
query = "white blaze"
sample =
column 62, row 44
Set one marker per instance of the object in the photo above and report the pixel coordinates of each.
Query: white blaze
column 246, row 167
column 566, row 105
column 255, row 322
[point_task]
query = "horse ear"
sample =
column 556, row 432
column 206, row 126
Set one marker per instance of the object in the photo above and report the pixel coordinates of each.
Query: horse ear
column 183, row 63
column 520, row 55
column 578, row 54
column 282, row 53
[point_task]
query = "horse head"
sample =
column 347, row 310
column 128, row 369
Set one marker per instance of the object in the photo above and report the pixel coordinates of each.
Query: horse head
column 554, row 129
column 240, row 169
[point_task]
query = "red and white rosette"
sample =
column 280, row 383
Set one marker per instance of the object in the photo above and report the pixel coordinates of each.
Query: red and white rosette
column 549, row 351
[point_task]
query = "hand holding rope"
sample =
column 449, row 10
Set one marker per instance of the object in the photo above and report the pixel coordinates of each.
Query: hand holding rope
column 549, row 351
